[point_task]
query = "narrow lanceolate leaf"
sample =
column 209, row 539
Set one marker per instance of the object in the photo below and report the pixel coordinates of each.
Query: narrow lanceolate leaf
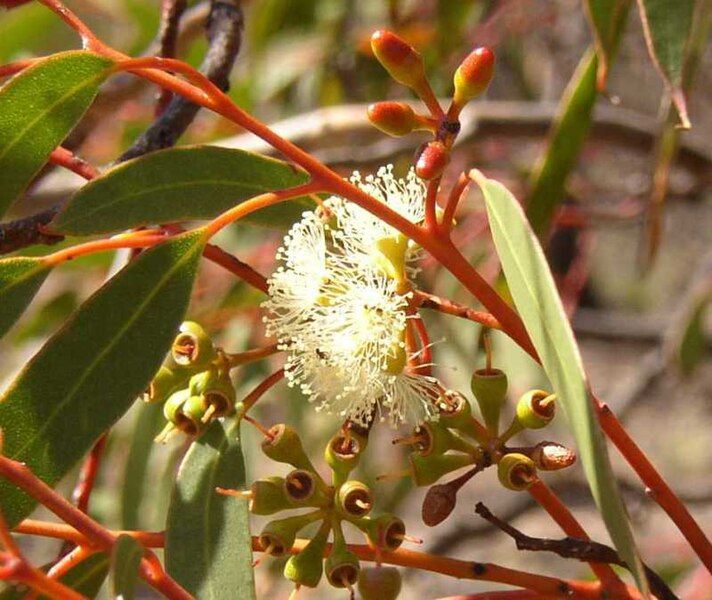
column 603, row 16
column 208, row 544
column 180, row 184
column 38, row 108
column 535, row 296
column 20, row 278
column 125, row 558
column 667, row 25
column 88, row 374
column 569, row 132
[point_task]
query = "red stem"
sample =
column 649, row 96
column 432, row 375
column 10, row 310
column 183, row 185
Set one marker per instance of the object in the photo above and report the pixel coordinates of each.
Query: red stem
column 453, row 200
column 64, row 158
column 257, row 393
column 87, row 476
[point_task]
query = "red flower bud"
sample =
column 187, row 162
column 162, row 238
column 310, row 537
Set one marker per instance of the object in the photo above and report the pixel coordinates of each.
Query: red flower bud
column 393, row 118
column 400, row 59
column 473, row 75
column 432, row 161
column 12, row 3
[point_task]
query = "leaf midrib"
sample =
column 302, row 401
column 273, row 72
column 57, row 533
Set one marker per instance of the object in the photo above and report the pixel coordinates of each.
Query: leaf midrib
column 70, row 396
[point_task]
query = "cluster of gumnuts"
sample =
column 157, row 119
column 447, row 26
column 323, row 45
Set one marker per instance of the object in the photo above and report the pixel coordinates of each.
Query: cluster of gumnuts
column 193, row 382
column 458, row 439
column 332, row 504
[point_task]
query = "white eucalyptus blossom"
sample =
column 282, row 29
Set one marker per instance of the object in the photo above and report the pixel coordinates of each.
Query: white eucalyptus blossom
column 338, row 309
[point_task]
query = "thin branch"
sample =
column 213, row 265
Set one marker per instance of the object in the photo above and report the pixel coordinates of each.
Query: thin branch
column 171, row 12
column 580, row 549
column 449, row 307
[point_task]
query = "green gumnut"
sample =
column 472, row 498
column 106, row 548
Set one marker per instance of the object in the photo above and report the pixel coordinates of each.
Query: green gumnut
column 426, row 470
column 490, row 389
column 305, row 488
column 379, row 583
column 174, row 404
column 343, row 453
column 164, row 383
column 455, row 412
column 193, row 347
column 341, row 566
column 354, row 499
column 307, row 567
column 277, row 537
column 516, row 471
column 385, row 531
column 438, row 439
column 268, row 496
column 536, row 409
column 217, row 388
column 194, row 409
column 285, row 446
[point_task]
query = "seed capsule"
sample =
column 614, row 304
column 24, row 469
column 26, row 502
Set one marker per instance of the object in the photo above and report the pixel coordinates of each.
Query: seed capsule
column 285, row 446
column 216, row 386
column 277, row 537
column 473, row 75
column 490, row 389
column 516, row 471
column 192, row 347
column 398, row 57
column 268, row 496
column 341, row 566
column 166, row 381
column 550, row 456
column 343, row 452
column 392, row 118
column 427, row 470
column 536, row 409
column 355, row 499
column 307, row 567
column 385, row 531
column 436, row 438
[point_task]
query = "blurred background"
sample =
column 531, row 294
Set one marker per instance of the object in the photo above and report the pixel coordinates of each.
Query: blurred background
column 306, row 65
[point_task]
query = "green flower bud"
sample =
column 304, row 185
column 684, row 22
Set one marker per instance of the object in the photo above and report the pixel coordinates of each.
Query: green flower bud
column 516, row 471
column 268, row 496
column 392, row 118
column 473, row 75
column 354, row 499
column 536, row 409
column 307, row 567
column 385, row 531
column 379, row 583
column 426, row 470
column 343, row 452
column 285, row 446
column 490, row 389
column 341, row 566
column 399, row 58
column 277, row 537
column 192, row 347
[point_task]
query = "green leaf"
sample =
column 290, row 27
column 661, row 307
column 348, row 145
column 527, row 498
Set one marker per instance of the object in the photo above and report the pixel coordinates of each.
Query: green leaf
column 667, row 25
column 693, row 341
column 208, row 544
column 20, row 278
column 86, row 577
column 89, row 373
column 148, row 423
column 126, row 556
column 568, row 133
column 535, row 296
column 38, row 108
column 604, row 16
column 180, row 184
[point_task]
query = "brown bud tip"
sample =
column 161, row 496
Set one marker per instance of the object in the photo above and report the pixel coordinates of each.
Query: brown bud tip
column 398, row 57
column 439, row 502
column 393, row 118
column 550, row 456
column 474, row 75
column 432, row 161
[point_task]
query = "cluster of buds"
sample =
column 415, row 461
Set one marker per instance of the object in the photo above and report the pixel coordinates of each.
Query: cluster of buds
column 343, row 500
column 459, row 439
column 193, row 383
column 405, row 65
